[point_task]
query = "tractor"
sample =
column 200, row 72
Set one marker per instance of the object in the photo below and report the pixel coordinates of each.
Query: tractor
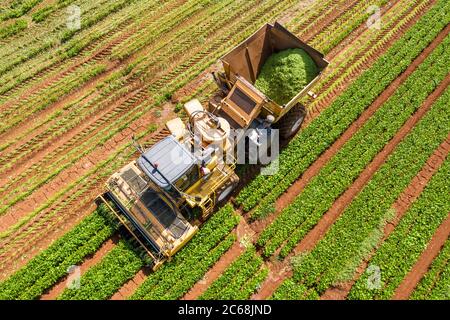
column 174, row 185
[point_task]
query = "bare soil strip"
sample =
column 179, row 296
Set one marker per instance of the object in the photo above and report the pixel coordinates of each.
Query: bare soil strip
column 59, row 287
column 310, row 240
column 75, row 208
column 422, row 265
column 244, row 234
column 123, row 294
column 234, row 252
column 326, row 20
column 367, row 62
column 357, row 32
column 401, row 206
column 92, row 192
column 128, row 288
column 200, row 287
column 295, row 189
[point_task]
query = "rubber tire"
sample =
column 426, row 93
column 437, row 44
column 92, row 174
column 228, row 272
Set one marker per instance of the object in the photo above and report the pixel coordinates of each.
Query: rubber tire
column 231, row 184
column 291, row 122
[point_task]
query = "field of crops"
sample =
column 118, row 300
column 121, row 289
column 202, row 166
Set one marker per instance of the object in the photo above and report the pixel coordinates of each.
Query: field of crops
column 359, row 206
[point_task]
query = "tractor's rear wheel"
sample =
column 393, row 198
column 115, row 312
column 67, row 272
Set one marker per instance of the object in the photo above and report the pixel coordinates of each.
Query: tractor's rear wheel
column 225, row 191
column 291, row 121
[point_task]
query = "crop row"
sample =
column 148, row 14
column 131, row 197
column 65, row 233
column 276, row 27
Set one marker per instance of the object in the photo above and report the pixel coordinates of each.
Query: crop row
column 63, row 202
column 171, row 17
column 198, row 38
column 75, row 194
column 16, row 115
column 239, row 280
column 345, row 24
column 36, row 67
column 325, row 129
column 335, row 7
column 305, row 16
column 52, row 264
column 102, row 280
column 77, row 110
column 360, row 227
column 18, row 9
column 41, row 39
column 290, row 290
column 87, row 19
column 434, row 285
column 354, row 58
column 13, row 28
column 397, row 255
column 220, row 15
column 175, row 83
column 339, row 173
column 149, row 105
column 188, row 266
column 100, row 15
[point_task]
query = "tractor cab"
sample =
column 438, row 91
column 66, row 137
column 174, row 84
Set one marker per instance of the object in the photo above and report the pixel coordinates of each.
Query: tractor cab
column 174, row 185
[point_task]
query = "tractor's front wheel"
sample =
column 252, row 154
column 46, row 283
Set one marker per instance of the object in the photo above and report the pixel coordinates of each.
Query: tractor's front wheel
column 291, row 121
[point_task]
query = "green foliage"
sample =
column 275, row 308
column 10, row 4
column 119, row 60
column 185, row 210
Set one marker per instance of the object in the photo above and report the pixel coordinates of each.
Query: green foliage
column 239, row 280
column 435, row 284
column 290, row 290
column 42, row 14
column 100, row 15
column 400, row 251
column 12, row 29
column 188, row 266
column 93, row 72
column 102, row 280
column 345, row 240
column 304, row 149
column 340, row 172
column 18, row 9
column 52, row 264
column 285, row 74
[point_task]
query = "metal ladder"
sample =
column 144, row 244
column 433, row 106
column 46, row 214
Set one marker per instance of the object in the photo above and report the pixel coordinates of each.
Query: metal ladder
column 207, row 207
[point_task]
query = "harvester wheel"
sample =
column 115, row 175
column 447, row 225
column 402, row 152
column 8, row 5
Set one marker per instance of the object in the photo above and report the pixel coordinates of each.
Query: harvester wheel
column 225, row 191
column 291, row 121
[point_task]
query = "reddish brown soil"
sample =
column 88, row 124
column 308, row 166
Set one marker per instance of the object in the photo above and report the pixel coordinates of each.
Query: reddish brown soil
column 295, row 189
column 357, row 32
column 327, row 99
column 324, row 21
column 401, row 206
column 422, row 265
column 90, row 261
column 98, row 55
column 293, row 12
column 128, row 288
column 317, row 233
column 23, row 126
column 310, row 240
column 72, row 213
column 82, row 209
column 31, row 203
column 223, row 263
column 278, row 272
column 298, row 186
column 215, row 272
column 71, row 174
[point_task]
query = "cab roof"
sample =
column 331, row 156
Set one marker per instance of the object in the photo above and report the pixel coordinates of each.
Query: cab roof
column 170, row 157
